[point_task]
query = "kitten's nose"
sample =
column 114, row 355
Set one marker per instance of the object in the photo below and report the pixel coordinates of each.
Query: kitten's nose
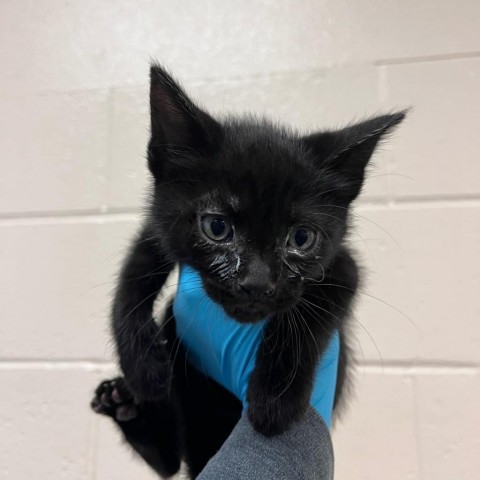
column 255, row 286
column 257, row 280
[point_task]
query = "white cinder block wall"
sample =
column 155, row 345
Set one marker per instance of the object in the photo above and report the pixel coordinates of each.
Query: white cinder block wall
column 73, row 131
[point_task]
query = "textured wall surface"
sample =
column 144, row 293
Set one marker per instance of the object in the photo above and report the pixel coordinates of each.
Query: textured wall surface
column 73, row 131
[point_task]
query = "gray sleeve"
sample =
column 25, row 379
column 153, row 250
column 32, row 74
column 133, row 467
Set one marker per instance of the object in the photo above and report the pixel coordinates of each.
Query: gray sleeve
column 304, row 452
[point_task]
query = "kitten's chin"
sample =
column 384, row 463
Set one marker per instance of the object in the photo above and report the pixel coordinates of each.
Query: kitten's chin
column 246, row 314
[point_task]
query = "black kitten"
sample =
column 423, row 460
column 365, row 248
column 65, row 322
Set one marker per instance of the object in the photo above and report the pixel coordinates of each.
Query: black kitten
column 261, row 212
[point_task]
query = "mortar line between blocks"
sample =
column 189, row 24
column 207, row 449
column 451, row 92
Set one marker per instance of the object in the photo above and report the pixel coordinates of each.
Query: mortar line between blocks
column 428, row 58
column 85, row 365
column 419, row 369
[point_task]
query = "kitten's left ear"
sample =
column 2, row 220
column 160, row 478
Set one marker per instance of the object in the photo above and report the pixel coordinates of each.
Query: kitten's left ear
column 346, row 152
column 178, row 125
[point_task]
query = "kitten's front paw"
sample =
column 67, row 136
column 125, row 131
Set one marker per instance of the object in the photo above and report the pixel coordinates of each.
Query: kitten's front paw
column 114, row 399
column 273, row 416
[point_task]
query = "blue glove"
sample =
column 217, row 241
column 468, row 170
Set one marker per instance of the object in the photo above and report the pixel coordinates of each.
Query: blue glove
column 226, row 350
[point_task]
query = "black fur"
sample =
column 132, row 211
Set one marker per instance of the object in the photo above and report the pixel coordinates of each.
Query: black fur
column 271, row 184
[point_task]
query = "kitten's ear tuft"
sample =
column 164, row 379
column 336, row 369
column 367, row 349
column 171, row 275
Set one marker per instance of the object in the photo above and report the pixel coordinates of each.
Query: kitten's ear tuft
column 348, row 151
column 178, row 126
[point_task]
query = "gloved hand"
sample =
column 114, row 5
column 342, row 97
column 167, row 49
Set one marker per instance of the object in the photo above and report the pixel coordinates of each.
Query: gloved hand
column 226, row 350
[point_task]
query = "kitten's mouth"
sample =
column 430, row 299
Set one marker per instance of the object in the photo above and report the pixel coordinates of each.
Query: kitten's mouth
column 247, row 310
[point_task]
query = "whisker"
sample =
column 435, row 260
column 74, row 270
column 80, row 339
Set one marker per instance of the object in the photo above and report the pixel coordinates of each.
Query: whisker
column 140, row 304
column 361, row 292
column 351, row 315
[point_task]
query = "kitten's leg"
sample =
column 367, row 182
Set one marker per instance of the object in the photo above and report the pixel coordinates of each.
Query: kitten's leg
column 140, row 345
column 281, row 383
column 151, row 428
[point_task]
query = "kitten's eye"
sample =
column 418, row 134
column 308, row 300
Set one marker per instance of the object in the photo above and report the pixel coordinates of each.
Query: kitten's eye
column 217, row 227
column 301, row 238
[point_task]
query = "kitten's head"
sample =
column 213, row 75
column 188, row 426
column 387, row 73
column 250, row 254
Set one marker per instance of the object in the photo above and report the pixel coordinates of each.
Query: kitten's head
column 255, row 208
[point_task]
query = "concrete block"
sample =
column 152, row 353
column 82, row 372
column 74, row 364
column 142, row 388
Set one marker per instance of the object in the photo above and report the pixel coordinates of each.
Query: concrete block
column 56, row 288
column 55, row 152
column 129, row 178
column 377, row 437
column 420, row 260
column 448, row 424
column 435, row 151
column 67, row 45
column 47, row 427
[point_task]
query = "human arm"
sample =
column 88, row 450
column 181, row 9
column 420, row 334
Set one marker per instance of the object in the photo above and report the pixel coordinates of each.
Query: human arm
column 304, row 452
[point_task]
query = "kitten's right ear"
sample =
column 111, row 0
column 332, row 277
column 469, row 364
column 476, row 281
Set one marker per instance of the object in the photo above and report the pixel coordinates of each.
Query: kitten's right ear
column 346, row 152
column 178, row 126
